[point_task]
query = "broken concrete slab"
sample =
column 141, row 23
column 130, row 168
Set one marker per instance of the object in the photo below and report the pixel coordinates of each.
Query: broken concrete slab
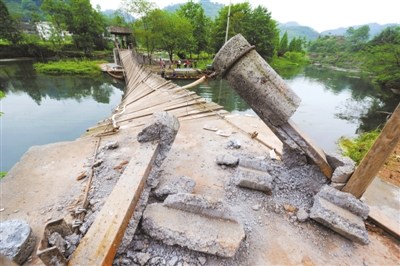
column 227, row 159
column 344, row 200
column 254, row 179
column 16, row 240
column 176, row 227
column 343, row 167
column 339, row 220
column 199, row 204
column 182, row 184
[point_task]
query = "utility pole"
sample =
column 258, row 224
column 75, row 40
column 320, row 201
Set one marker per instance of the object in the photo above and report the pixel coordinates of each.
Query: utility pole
column 227, row 23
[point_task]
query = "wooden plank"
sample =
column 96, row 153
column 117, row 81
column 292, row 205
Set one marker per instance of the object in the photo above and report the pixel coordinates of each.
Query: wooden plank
column 376, row 156
column 100, row 244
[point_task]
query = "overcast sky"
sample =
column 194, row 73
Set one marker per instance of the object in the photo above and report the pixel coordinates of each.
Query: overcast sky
column 318, row 14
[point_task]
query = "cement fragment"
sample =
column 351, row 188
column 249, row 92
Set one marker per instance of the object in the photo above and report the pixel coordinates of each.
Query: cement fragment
column 175, row 227
column 344, row 200
column 16, row 240
column 343, row 167
column 227, row 159
column 339, row 220
column 253, row 179
column 201, row 205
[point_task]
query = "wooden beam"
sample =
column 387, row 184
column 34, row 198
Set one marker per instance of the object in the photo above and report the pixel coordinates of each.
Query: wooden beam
column 376, row 156
column 100, row 244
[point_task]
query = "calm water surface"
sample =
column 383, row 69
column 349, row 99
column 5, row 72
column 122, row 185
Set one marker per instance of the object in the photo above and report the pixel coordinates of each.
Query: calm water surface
column 40, row 109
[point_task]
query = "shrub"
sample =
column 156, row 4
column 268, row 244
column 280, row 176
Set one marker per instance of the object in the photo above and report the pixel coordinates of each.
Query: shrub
column 357, row 148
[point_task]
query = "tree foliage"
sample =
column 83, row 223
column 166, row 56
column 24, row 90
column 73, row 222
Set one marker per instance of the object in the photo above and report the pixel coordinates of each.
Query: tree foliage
column 379, row 57
column 80, row 19
column 194, row 12
column 357, row 38
column 256, row 25
column 382, row 57
column 8, row 26
column 283, row 45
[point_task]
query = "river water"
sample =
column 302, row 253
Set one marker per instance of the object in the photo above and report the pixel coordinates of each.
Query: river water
column 40, row 109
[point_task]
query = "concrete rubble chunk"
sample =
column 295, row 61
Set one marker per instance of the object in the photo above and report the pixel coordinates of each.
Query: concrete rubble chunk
column 234, row 144
column 55, row 239
column 227, row 159
column 196, row 232
column 255, row 164
column 344, row 200
column 162, row 126
column 337, row 186
column 201, row 205
column 182, row 184
column 16, row 240
column 302, row 215
column 254, row 179
column 343, row 167
column 339, row 220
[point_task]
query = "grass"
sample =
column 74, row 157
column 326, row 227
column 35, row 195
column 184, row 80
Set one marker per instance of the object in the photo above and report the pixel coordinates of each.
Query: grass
column 357, row 148
column 70, row 67
column 2, row 174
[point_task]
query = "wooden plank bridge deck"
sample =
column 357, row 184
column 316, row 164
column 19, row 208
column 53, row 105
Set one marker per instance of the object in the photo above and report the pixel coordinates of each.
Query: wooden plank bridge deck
column 146, row 93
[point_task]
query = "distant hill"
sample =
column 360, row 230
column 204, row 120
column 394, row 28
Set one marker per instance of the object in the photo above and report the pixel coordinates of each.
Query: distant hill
column 295, row 30
column 374, row 29
column 211, row 9
column 111, row 12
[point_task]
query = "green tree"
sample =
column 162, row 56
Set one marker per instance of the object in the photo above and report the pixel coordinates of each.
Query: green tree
column 357, row 38
column 194, row 12
column 382, row 57
column 255, row 25
column 175, row 33
column 8, row 26
column 265, row 36
column 296, row 45
column 239, row 22
column 86, row 25
column 143, row 28
column 283, row 45
column 79, row 18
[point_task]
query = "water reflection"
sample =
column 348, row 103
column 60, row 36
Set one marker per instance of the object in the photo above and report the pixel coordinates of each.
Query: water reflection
column 40, row 109
column 21, row 77
column 334, row 103
column 368, row 105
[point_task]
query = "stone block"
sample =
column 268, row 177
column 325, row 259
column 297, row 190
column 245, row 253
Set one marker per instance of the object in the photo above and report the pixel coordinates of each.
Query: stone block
column 227, row 159
column 343, row 167
column 253, row 179
column 16, row 240
column 339, row 220
column 196, row 232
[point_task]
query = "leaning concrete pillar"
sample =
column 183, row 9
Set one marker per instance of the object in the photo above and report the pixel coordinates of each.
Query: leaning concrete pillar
column 267, row 94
